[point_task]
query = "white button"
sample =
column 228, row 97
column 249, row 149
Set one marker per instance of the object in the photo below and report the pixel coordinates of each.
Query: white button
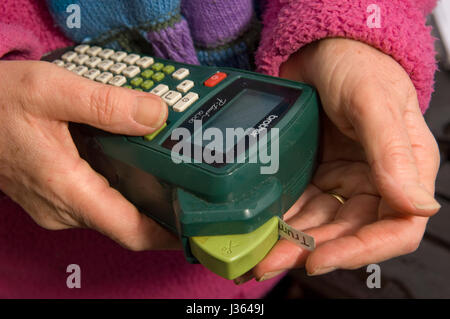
column 185, row 86
column 118, row 68
column 92, row 62
column 145, row 62
column 106, row 53
column 131, row 71
column 92, row 74
column 70, row 66
column 105, row 65
column 118, row 80
column 82, row 48
column 80, row 70
column 185, row 102
column 160, row 89
column 58, row 62
column 118, row 56
column 104, row 77
column 93, row 51
column 180, row 74
column 81, row 59
column 131, row 59
column 171, row 97
column 69, row 56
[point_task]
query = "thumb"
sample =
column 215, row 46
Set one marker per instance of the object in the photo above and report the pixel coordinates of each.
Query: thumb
column 386, row 141
column 114, row 109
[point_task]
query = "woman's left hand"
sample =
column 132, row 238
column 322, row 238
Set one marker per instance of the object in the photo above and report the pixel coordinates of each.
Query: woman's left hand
column 377, row 152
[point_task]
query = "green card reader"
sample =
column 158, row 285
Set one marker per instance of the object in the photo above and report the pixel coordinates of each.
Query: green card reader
column 236, row 152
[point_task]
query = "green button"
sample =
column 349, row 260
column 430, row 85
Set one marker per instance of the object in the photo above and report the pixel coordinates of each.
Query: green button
column 157, row 66
column 137, row 81
column 158, row 76
column 147, row 74
column 127, row 86
column 231, row 256
column 147, row 84
column 150, row 137
column 168, row 69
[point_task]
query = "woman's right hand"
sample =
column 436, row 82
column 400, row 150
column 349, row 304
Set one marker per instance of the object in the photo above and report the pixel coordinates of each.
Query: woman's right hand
column 40, row 168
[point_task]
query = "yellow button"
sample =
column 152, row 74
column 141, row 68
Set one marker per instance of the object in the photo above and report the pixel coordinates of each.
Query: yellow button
column 150, row 137
column 231, row 256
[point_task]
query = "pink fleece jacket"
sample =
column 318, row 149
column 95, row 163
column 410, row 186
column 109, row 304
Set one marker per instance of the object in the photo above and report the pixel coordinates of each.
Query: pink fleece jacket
column 33, row 261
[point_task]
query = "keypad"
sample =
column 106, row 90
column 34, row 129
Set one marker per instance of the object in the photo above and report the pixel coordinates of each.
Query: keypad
column 133, row 71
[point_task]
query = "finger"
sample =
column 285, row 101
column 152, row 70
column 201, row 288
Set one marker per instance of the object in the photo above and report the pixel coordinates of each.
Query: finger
column 310, row 192
column 424, row 148
column 379, row 125
column 345, row 178
column 68, row 97
column 321, row 209
column 374, row 243
column 107, row 211
column 349, row 218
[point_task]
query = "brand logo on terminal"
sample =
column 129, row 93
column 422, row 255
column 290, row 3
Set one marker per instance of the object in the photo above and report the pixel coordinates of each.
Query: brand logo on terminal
column 264, row 125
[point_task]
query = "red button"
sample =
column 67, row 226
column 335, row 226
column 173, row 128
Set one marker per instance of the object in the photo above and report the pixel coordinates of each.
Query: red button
column 215, row 79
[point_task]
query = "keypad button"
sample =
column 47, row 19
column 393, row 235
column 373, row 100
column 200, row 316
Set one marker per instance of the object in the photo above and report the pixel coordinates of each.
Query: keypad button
column 118, row 56
column 131, row 59
column 157, row 66
column 131, row 71
column 160, row 89
column 118, row 68
column 94, row 51
column 147, row 74
column 69, row 56
column 105, row 65
column 158, row 76
column 92, row 62
column 118, row 80
column 136, row 81
column 104, row 77
column 185, row 86
column 80, row 70
column 82, row 48
column 147, row 84
column 106, row 53
column 58, row 62
column 145, row 62
column 92, row 74
column 171, row 97
column 180, row 74
column 168, row 69
column 185, row 102
column 70, row 66
column 215, row 79
column 80, row 59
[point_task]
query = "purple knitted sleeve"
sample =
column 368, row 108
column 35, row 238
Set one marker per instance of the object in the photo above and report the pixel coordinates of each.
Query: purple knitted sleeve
column 290, row 25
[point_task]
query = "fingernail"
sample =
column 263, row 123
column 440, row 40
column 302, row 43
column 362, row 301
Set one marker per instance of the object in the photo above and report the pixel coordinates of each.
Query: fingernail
column 321, row 271
column 149, row 112
column 243, row 279
column 421, row 199
column 270, row 275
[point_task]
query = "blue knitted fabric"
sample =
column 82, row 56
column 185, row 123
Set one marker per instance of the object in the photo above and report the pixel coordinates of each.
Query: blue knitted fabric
column 220, row 32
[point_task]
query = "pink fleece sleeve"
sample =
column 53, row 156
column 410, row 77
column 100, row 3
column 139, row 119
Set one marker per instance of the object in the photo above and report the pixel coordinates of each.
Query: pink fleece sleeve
column 27, row 30
column 291, row 24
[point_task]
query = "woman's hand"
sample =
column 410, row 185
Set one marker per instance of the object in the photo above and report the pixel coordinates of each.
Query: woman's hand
column 377, row 152
column 40, row 167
